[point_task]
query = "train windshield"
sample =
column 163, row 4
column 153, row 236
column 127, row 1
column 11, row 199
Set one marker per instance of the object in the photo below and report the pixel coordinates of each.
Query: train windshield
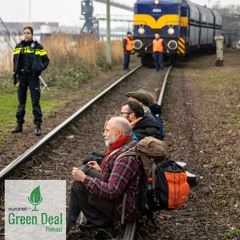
column 163, row 8
column 157, row 10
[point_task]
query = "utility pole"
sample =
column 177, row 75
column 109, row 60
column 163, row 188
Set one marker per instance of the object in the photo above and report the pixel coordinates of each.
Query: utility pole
column 29, row 11
column 108, row 45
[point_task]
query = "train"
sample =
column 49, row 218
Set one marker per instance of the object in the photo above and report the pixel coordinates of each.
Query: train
column 186, row 27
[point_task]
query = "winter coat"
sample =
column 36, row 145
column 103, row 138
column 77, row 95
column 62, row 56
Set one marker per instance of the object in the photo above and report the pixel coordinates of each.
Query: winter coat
column 36, row 51
column 157, row 110
column 147, row 126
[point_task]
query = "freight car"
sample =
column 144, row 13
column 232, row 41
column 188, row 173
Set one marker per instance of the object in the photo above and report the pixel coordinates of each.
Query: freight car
column 186, row 27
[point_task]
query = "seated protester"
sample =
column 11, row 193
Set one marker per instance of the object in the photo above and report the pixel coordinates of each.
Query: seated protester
column 142, row 98
column 143, row 126
column 98, row 192
column 156, row 110
column 150, row 107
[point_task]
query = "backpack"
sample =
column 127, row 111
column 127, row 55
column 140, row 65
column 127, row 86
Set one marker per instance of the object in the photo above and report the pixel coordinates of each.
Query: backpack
column 94, row 156
column 163, row 184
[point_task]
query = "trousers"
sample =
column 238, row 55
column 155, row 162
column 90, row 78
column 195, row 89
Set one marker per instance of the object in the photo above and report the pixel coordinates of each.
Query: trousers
column 126, row 60
column 33, row 83
column 158, row 60
column 97, row 211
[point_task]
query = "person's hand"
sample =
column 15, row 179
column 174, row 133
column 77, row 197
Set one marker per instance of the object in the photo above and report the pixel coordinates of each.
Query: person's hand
column 94, row 165
column 78, row 174
column 15, row 79
column 145, row 49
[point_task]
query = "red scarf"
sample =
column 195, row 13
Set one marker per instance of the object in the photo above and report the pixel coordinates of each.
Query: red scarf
column 119, row 142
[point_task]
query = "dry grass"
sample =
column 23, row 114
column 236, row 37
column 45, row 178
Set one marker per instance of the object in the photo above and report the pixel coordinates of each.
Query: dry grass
column 86, row 48
column 72, row 60
column 6, row 61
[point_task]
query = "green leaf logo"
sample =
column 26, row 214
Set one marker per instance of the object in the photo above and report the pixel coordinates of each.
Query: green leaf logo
column 35, row 198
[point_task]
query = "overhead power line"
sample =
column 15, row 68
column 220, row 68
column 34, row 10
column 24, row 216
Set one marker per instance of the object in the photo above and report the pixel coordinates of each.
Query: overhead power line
column 116, row 4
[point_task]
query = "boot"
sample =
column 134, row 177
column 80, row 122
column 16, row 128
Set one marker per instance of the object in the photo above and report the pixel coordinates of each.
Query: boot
column 38, row 130
column 18, row 128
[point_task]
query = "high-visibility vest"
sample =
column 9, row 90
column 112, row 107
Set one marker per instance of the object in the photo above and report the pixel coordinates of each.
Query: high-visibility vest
column 158, row 45
column 129, row 45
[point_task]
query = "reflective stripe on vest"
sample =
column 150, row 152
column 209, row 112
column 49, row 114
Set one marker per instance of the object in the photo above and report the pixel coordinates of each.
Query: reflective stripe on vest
column 158, row 45
column 129, row 45
column 27, row 50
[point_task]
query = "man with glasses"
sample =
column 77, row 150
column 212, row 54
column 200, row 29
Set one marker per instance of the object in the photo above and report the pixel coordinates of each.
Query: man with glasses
column 150, row 107
column 142, row 126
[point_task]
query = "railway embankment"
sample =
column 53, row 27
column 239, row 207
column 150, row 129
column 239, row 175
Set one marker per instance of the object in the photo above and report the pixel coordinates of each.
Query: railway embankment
column 201, row 116
column 202, row 126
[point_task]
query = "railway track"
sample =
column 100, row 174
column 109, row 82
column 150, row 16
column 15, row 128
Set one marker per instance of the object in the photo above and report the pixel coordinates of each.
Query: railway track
column 64, row 147
column 31, row 151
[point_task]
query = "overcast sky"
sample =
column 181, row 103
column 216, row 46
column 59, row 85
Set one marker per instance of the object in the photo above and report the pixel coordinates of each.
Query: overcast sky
column 66, row 12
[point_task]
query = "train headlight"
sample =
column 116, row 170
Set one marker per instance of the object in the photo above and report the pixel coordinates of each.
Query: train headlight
column 137, row 44
column 171, row 31
column 156, row 2
column 141, row 30
column 172, row 45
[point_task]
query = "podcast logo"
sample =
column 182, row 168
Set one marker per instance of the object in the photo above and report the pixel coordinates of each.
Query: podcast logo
column 35, row 198
column 37, row 211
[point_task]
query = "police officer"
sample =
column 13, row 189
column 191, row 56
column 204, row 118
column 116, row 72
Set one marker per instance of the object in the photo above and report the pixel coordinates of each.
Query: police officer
column 128, row 49
column 158, row 49
column 29, row 60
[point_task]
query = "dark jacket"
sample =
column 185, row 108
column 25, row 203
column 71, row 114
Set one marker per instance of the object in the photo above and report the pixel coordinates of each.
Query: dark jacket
column 147, row 126
column 157, row 110
column 38, row 54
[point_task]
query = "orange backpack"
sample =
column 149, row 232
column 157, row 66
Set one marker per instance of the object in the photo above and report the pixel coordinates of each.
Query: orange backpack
column 166, row 186
column 164, row 182
column 172, row 188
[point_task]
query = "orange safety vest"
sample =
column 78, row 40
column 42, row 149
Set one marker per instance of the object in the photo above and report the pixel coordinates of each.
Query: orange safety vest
column 129, row 45
column 158, row 45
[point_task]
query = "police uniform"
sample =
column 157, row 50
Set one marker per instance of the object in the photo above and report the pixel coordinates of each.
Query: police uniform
column 29, row 60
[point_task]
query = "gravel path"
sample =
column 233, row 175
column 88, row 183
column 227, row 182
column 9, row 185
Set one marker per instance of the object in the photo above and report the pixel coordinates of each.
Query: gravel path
column 202, row 127
column 84, row 136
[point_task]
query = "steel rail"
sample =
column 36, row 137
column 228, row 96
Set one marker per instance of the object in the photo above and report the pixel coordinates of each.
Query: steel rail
column 130, row 229
column 20, row 159
column 164, row 86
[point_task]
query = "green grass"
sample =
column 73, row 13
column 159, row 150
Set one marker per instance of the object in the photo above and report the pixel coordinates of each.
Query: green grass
column 9, row 102
column 216, row 164
column 232, row 119
column 8, row 106
column 233, row 234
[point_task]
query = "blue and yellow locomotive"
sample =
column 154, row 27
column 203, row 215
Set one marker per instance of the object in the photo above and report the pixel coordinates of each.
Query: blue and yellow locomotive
column 184, row 26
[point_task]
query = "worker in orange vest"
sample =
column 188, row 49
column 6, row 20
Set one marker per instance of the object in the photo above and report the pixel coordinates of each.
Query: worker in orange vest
column 158, row 47
column 128, row 49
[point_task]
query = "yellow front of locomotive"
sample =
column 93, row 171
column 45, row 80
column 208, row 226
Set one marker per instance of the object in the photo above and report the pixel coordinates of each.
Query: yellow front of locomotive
column 166, row 17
